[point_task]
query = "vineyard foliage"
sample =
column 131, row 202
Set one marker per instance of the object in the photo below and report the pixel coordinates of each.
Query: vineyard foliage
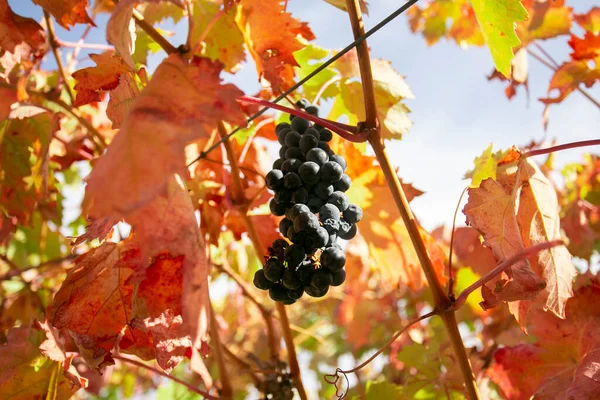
column 156, row 267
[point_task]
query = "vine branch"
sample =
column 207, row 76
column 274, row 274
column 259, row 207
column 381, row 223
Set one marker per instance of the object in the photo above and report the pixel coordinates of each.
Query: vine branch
column 54, row 47
column 566, row 146
column 441, row 300
column 190, row 387
column 153, row 33
column 226, row 390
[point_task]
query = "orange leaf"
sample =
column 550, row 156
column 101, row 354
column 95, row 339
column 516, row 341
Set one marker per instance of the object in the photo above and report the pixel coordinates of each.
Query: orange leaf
column 182, row 102
column 94, row 301
column 26, row 374
column 121, row 100
column 589, row 21
column 586, row 48
column 563, row 362
column 67, row 12
column 103, row 77
column 513, row 218
column 272, row 36
column 15, row 30
column 471, row 252
column 98, row 229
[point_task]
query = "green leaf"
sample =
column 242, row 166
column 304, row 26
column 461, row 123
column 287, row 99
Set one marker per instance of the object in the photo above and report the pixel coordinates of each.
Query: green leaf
column 485, row 167
column 497, row 20
column 310, row 58
column 382, row 390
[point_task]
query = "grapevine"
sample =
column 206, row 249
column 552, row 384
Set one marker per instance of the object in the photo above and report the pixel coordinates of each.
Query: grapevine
column 309, row 184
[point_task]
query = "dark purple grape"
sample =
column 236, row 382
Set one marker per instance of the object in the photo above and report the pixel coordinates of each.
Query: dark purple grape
column 282, row 151
column 274, row 179
column 294, row 152
column 284, row 225
column 261, row 281
column 308, row 142
column 281, row 126
column 294, row 255
column 306, row 221
column 300, row 125
column 326, row 135
column 303, row 103
column 331, row 172
column 318, row 156
column 349, row 233
column 312, row 110
column 291, row 165
column 325, row 147
column 309, row 172
column 283, row 196
column 311, row 291
column 339, row 199
column 333, row 258
column 340, row 160
column 292, row 181
column 323, row 190
column 292, row 139
column 320, row 238
column 281, row 135
column 278, row 293
column 273, row 270
column 353, row 214
column 300, row 196
column 329, row 211
column 339, row 277
column 291, row 280
column 276, row 209
column 313, row 132
column 343, row 184
column 315, row 203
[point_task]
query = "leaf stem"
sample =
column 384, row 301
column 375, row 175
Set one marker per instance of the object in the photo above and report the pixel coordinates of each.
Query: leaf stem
column 566, row 146
column 190, row 387
column 324, row 87
column 521, row 255
column 451, row 251
column 341, row 129
column 153, row 33
column 260, row 253
column 206, row 31
column 54, row 47
column 83, row 45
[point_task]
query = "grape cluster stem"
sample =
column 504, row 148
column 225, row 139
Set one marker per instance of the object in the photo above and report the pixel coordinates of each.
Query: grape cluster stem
column 260, row 253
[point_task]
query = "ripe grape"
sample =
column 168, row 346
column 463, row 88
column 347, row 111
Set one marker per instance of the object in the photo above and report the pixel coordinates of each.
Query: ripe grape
column 318, row 156
column 261, row 281
column 343, row 184
column 292, row 139
column 274, row 179
column 273, row 269
column 353, row 214
column 333, row 258
column 331, row 172
column 339, row 199
column 300, row 125
column 309, row 172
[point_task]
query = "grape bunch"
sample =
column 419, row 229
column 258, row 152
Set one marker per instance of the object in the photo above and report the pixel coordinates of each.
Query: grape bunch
column 309, row 185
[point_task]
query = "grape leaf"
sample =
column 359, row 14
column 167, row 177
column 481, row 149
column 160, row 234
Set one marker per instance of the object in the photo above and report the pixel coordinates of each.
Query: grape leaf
column 104, row 76
column 224, row 41
column 547, row 20
column 272, row 53
column 562, row 362
column 121, row 33
column 471, row 252
column 497, row 21
column 15, row 30
column 580, row 223
column 67, row 12
column 97, row 229
column 27, row 366
column 121, row 100
column 382, row 390
column 310, row 58
column 157, row 12
column 589, row 21
column 183, row 101
column 529, row 215
column 390, row 90
column 21, row 141
column 94, row 301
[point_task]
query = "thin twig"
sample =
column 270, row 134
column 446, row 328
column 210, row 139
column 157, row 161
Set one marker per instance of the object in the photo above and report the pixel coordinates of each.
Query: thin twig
column 190, row 387
column 77, row 49
column 153, row 33
column 54, row 47
column 15, row 271
column 578, row 88
column 98, row 138
column 451, row 251
column 389, row 342
column 546, row 54
column 83, row 45
column 206, row 31
column 566, row 146
column 521, row 255
column 244, row 365
column 190, row 17
column 324, row 87
column 226, row 391
column 312, row 74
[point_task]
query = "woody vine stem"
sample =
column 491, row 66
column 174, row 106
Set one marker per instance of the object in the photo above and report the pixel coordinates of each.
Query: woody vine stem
column 442, row 302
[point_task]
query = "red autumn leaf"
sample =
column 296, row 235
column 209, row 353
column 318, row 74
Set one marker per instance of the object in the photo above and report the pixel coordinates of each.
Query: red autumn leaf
column 471, row 252
column 581, row 224
column 98, row 229
column 26, row 373
column 67, row 12
column 589, row 21
column 121, row 100
column 182, row 102
column 94, row 301
column 15, row 30
column 586, row 48
column 105, row 76
column 563, row 362
column 513, row 218
column 273, row 54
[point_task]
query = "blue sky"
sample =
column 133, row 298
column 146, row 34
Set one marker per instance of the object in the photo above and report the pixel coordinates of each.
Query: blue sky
column 457, row 113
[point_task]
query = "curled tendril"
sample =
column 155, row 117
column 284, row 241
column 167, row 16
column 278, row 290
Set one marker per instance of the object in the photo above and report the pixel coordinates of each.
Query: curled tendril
column 334, row 379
